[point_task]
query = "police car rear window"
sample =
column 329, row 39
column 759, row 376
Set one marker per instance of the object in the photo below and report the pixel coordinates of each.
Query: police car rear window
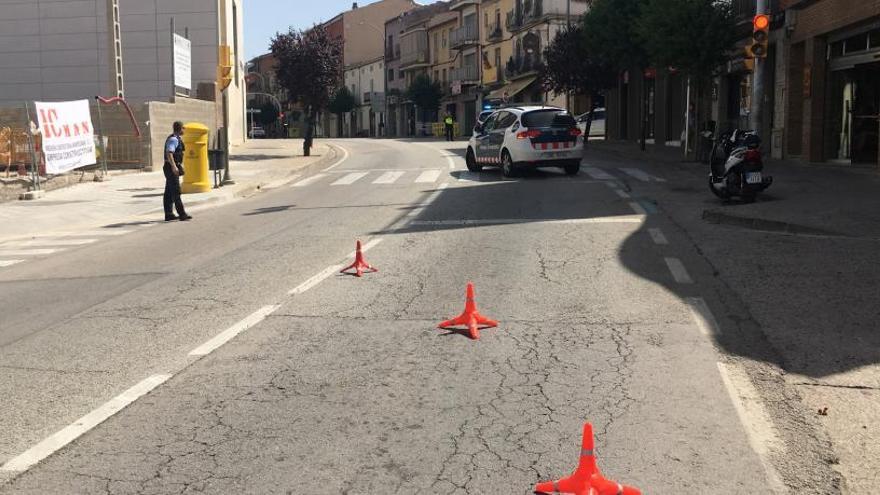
column 548, row 118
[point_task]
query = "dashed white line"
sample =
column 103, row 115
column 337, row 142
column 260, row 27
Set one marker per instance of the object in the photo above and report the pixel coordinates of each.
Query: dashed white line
column 658, row 236
column 350, row 179
column 639, row 209
column 450, row 159
column 73, row 431
column 4, row 263
column 388, row 178
column 598, row 173
column 679, row 273
column 230, row 333
column 317, row 279
column 428, row 176
column 755, row 420
column 636, row 174
column 703, row 316
column 310, row 180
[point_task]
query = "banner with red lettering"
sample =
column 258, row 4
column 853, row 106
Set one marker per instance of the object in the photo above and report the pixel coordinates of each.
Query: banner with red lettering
column 68, row 136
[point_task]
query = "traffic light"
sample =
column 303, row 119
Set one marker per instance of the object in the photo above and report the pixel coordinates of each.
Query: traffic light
column 224, row 67
column 760, row 37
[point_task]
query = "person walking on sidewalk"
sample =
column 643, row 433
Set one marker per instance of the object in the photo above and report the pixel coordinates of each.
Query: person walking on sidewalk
column 449, row 123
column 173, row 169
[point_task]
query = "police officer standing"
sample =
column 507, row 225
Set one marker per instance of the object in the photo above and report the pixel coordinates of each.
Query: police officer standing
column 449, row 121
column 173, row 169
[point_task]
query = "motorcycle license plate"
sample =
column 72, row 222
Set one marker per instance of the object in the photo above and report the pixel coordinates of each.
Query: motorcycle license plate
column 753, row 177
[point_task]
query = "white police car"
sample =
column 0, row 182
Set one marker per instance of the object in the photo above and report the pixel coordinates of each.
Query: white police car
column 527, row 136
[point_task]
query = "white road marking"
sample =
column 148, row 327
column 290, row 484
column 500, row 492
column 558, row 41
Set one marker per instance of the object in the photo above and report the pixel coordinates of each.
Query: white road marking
column 450, row 159
column 310, row 180
column 637, row 174
column 73, row 431
column 230, row 333
column 469, row 176
column 623, row 194
column 345, row 155
column 350, row 179
column 48, row 242
column 598, row 173
column 639, row 209
column 26, row 252
column 366, row 247
column 658, row 236
column 428, row 176
column 703, row 316
column 755, row 420
column 388, row 178
column 506, row 221
column 4, row 263
column 317, row 279
column 641, row 175
column 85, row 233
column 679, row 273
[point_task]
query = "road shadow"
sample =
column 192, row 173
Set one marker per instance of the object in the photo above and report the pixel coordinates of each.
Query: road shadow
column 268, row 209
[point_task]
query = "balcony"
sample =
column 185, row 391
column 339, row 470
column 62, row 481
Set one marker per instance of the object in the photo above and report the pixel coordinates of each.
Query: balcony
column 514, row 20
column 464, row 36
column 521, row 66
column 528, row 13
column 494, row 32
column 392, row 53
column 467, row 74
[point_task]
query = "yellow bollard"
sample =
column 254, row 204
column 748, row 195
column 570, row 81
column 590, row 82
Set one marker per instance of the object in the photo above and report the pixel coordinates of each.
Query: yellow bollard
column 195, row 161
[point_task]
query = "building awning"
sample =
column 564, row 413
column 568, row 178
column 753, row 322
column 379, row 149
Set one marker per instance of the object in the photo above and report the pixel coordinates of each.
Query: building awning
column 511, row 89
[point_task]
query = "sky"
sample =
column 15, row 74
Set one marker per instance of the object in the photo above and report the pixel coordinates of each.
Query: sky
column 264, row 18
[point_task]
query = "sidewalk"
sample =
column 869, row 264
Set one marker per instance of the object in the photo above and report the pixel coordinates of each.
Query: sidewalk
column 802, row 260
column 258, row 164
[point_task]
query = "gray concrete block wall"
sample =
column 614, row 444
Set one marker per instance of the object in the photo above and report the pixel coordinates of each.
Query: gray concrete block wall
column 163, row 115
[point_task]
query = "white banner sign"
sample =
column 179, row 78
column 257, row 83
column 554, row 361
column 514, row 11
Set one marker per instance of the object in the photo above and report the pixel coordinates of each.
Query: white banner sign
column 68, row 136
column 182, row 62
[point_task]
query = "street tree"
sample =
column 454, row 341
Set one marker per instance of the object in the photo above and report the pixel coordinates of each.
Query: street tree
column 572, row 66
column 309, row 65
column 695, row 37
column 342, row 103
column 425, row 94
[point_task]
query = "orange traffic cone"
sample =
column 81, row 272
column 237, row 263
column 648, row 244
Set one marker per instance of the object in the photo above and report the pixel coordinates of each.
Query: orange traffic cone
column 359, row 264
column 586, row 479
column 471, row 318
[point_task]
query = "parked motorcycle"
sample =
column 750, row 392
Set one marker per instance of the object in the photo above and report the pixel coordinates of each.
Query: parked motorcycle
column 736, row 167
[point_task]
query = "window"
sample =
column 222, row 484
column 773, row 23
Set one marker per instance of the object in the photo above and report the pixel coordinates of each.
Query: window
column 486, row 19
column 371, row 86
column 505, row 120
column 444, row 76
column 444, row 39
column 548, row 118
column 498, row 58
column 436, row 75
column 390, row 74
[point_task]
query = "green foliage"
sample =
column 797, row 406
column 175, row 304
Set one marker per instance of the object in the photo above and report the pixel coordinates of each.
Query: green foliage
column 342, row 101
column 610, row 33
column 309, row 66
column 694, row 36
column 572, row 65
column 425, row 94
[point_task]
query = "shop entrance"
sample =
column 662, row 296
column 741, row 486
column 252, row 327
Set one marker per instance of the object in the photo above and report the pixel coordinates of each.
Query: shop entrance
column 854, row 119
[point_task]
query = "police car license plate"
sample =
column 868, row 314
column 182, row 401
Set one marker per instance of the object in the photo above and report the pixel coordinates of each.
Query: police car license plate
column 753, row 177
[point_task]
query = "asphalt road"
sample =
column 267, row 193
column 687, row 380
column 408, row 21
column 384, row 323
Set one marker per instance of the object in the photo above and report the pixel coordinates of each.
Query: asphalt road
column 334, row 384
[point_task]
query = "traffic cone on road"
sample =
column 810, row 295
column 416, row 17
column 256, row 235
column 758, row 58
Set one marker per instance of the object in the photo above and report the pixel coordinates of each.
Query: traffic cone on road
column 359, row 264
column 471, row 318
column 586, row 479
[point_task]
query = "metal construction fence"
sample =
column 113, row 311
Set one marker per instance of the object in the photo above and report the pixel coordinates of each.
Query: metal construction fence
column 119, row 141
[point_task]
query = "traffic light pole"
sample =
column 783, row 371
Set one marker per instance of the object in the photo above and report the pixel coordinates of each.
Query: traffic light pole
column 757, row 110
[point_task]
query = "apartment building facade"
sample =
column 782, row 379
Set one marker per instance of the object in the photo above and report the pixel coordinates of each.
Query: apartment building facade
column 366, row 81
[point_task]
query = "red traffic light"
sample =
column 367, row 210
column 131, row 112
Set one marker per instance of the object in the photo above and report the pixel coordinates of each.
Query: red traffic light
column 761, row 22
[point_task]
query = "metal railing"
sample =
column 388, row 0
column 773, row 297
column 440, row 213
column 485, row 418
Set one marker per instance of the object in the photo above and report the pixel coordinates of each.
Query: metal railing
column 418, row 57
column 494, row 32
column 465, row 74
column 518, row 66
column 464, row 36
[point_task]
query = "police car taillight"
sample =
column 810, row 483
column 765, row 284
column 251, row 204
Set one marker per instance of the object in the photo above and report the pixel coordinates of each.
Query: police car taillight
column 528, row 134
column 575, row 132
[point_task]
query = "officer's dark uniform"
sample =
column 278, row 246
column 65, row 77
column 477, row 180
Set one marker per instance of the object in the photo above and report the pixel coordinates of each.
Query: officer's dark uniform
column 172, row 182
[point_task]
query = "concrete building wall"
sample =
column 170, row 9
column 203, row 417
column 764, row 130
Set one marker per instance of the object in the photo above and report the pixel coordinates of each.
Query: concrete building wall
column 364, row 32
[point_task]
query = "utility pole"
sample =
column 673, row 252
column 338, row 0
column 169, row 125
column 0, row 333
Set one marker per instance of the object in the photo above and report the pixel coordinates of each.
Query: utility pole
column 757, row 110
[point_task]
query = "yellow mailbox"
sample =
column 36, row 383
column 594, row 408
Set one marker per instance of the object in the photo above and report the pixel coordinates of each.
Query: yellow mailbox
column 195, row 161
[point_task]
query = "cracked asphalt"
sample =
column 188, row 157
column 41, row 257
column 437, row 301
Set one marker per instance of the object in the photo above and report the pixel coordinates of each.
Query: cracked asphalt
column 349, row 387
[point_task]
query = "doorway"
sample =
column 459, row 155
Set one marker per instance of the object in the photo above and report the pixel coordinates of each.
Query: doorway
column 854, row 123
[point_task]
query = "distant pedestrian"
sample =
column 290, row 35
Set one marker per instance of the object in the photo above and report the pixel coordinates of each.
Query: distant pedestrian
column 449, row 123
column 173, row 170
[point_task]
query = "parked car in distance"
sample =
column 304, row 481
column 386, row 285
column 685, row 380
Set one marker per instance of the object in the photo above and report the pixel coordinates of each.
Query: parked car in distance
column 597, row 128
column 257, row 132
